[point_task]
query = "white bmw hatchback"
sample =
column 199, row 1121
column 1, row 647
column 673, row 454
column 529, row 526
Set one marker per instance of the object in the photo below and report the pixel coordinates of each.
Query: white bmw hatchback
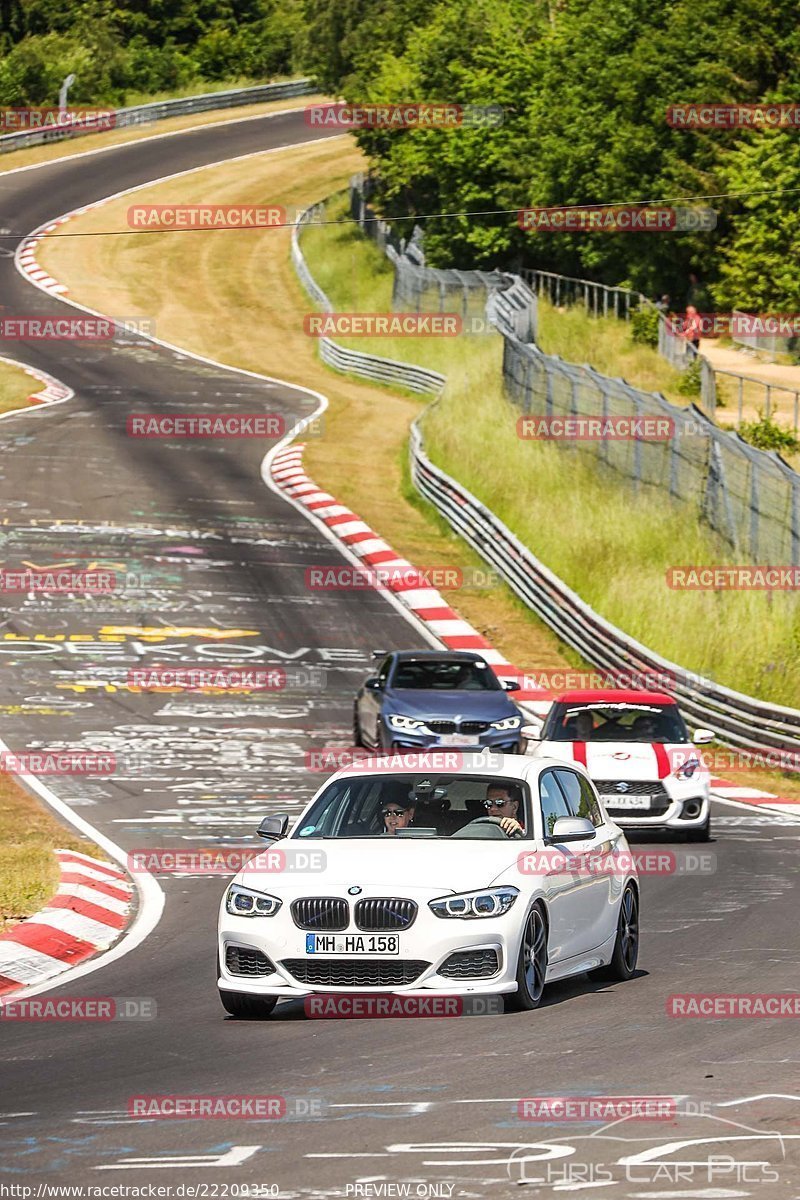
column 433, row 873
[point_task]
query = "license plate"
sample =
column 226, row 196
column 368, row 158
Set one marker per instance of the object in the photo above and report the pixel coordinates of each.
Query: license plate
column 459, row 739
column 617, row 801
column 360, row 943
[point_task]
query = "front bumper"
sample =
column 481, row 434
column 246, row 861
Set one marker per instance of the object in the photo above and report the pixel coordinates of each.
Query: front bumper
column 684, row 814
column 506, row 741
column 431, row 940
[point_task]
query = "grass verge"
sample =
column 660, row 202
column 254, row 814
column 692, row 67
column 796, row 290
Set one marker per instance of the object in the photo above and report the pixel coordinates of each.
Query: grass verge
column 28, row 867
column 15, row 388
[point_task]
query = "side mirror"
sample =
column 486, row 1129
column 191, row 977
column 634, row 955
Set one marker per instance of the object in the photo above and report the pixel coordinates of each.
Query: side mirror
column 373, row 684
column 510, row 685
column 702, row 737
column 572, row 829
column 531, row 733
column 272, row 829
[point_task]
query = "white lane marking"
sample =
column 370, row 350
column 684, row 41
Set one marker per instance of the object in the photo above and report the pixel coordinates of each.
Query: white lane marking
column 231, row 1158
column 760, row 1096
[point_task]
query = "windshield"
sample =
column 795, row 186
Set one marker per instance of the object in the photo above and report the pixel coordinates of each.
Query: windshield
column 443, row 675
column 602, row 722
column 412, row 806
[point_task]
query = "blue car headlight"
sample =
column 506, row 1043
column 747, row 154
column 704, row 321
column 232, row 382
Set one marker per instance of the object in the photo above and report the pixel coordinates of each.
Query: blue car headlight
column 244, row 902
column 409, row 724
column 490, row 902
column 507, row 723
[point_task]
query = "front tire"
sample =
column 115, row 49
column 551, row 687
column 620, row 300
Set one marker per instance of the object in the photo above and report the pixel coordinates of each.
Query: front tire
column 247, row 1008
column 358, row 737
column 701, row 834
column 531, row 964
column 626, row 944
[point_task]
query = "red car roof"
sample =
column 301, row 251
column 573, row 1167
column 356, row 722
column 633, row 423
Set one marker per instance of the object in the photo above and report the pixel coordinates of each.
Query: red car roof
column 613, row 696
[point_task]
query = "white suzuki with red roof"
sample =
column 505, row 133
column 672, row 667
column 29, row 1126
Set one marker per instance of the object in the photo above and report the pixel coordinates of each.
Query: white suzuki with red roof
column 637, row 750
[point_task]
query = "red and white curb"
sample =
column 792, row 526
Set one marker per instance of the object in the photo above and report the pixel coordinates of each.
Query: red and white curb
column 430, row 608
column 426, row 603
column 89, row 911
column 30, row 266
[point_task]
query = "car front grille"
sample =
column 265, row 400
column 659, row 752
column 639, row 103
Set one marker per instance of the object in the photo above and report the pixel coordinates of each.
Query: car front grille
column 243, row 960
column 468, row 727
column 441, row 726
column 470, row 964
column 378, row 913
column 610, row 788
column 473, row 727
column 631, row 787
column 355, row 972
column 326, row 913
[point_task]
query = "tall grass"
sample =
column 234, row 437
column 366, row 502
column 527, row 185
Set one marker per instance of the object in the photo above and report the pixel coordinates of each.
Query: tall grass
column 610, row 542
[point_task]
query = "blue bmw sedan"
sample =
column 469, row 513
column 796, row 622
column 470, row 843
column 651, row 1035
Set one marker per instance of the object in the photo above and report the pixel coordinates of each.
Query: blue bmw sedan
column 432, row 698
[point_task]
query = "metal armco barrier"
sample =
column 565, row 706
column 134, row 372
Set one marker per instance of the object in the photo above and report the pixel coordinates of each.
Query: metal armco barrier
column 739, row 720
column 357, row 362
column 159, row 110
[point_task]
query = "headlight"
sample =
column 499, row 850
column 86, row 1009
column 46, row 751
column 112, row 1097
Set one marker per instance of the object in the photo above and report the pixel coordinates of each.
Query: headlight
column 507, row 723
column 687, row 769
column 244, row 902
column 492, row 902
column 407, row 723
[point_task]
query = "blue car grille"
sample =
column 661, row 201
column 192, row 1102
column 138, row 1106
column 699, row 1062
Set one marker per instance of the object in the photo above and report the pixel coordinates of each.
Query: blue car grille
column 470, row 727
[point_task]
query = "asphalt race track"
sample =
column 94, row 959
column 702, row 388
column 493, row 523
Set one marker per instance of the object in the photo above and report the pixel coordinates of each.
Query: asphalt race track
column 217, row 566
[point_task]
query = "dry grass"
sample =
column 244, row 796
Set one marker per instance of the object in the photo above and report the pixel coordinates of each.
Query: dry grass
column 15, row 388
column 28, row 868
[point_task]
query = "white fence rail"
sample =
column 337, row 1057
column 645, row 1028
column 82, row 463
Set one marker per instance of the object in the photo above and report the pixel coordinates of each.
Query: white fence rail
column 357, row 362
column 158, row 110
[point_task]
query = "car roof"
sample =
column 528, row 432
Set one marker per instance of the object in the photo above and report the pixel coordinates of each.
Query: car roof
column 438, row 656
column 613, row 696
column 504, row 766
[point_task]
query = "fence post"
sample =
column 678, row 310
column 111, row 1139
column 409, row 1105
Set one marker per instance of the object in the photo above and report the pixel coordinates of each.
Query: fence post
column 708, row 387
column 753, row 509
column 795, row 520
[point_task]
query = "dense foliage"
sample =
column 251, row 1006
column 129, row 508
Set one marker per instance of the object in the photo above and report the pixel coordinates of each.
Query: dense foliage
column 136, row 47
column 586, row 85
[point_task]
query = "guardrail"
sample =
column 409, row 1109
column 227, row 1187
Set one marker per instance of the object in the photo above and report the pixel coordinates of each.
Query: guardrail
column 740, row 720
column 158, row 110
column 357, row 362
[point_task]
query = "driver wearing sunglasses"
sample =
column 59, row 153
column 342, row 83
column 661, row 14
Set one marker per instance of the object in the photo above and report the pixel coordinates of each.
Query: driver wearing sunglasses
column 395, row 816
column 503, row 802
